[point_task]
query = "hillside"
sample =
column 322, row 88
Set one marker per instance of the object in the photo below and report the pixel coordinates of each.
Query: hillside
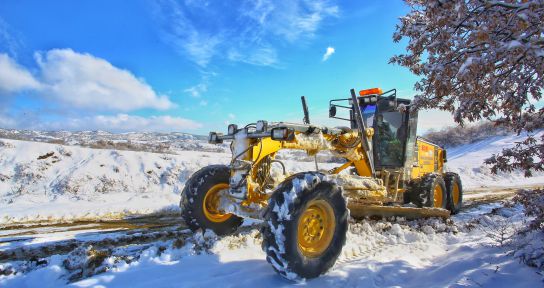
column 43, row 181
column 132, row 141
column 467, row 160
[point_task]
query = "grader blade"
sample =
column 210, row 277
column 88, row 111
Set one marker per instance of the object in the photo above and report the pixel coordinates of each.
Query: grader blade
column 360, row 211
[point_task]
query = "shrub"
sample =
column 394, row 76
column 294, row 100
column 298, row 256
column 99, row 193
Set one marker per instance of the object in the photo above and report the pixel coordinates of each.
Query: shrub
column 533, row 201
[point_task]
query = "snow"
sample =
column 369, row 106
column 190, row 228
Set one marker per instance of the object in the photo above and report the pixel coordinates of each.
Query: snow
column 423, row 253
column 85, row 183
column 77, row 183
column 467, row 161
column 468, row 62
column 357, row 186
column 513, row 44
column 459, row 252
column 314, row 141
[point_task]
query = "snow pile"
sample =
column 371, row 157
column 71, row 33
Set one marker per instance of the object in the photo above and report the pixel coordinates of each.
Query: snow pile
column 313, row 142
column 86, row 261
column 357, row 187
column 425, row 253
column 530, row 248
column 533, row 201
column 530, row 240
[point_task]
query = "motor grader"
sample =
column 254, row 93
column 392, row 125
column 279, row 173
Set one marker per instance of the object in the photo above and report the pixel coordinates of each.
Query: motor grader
column 387, row 171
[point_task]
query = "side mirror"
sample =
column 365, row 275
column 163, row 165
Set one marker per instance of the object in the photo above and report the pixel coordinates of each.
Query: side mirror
column 332, row 111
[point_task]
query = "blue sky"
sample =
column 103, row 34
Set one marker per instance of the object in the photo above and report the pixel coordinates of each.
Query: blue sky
column 191, row 66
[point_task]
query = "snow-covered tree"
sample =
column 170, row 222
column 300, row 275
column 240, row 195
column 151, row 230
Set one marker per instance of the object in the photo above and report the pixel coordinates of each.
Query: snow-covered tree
column 481, row 59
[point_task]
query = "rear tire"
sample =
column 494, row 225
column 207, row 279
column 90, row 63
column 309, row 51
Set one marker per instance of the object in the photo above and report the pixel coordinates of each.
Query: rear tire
column 429, row 191
column 455, row 192
column 305, row 226
column 197, row 201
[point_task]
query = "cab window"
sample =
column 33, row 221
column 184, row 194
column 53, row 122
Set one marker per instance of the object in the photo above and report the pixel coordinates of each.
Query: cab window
column 389, row 139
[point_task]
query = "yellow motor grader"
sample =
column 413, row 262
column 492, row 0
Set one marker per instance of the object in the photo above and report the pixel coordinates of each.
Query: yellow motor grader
column 388, row 171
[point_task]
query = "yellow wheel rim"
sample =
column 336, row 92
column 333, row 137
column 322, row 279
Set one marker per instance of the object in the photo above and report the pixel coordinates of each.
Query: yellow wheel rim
column 211, row 202
column 438, row 197
column 316, row 228
column 455, row 194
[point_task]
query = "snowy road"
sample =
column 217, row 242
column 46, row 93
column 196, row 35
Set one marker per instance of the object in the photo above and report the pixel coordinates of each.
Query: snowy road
column 424, row 253
column 24, row 241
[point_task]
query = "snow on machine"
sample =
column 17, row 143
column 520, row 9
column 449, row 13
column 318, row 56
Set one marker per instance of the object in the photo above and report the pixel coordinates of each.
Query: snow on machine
column 388, row 171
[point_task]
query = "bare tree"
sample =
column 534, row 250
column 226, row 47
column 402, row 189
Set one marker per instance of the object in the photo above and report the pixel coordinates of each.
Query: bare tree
column 481, row 59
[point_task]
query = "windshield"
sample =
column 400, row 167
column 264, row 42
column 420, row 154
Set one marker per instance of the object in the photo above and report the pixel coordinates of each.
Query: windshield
column 389, row 139
column 368, row 115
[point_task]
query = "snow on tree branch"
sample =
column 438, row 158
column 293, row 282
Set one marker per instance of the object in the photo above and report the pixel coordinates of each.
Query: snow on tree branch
column 480, row 60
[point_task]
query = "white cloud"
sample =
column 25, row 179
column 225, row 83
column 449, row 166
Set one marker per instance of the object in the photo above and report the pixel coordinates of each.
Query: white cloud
column 15, row 78
column 197, row 90
column 124, row 122
column 294, row 20
column 328, row 53
column 180, row 32
column 85, row 81
column 8, row 122
column 9, row 39
column 81, row 81
column 203, row 103
column 262, row 56
column 230, row 118
column 113, row 123
column 248, row 35
column 202, row 47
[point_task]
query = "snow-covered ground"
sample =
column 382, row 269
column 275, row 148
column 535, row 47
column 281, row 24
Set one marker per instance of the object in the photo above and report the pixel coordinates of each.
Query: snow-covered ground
column 47, row 181
column 467, row 161
column 464, row 251
column 52, row 182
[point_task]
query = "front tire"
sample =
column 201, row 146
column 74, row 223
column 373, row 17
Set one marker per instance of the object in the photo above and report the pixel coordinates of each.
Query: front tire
column 199, row 201
column 305, row 226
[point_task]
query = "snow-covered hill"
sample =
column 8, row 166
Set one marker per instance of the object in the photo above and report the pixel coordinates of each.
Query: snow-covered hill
column 52, row 182
column 134, row 141
column 467, row 161
column 44, row 181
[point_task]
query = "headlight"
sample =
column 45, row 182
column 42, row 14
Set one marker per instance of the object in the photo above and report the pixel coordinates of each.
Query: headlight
column 261, row 126
column 214, row 138
column 232, row 129
column 282, row 133
column 369, row 99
